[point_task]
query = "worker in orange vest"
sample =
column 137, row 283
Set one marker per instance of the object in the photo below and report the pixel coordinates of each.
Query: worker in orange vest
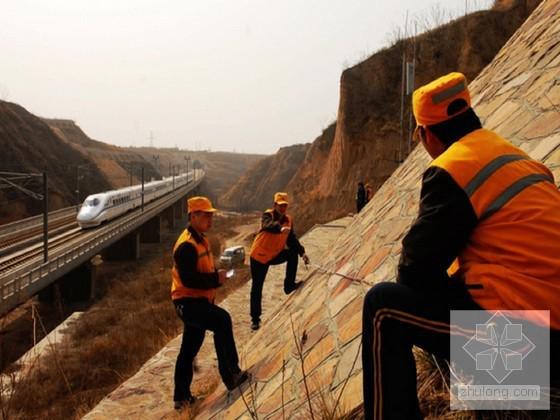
column 193, row 291
column 276, row 243
column 487, row 237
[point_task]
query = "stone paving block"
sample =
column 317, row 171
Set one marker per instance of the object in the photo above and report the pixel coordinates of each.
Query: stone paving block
column 339, row 302
column 350, row 361
column 375, row 261
column 511, row 126
column 319, row 353
column 553, row 161
column 351, row 391
column 320, row 380
column 546, row 146
column 349, row 321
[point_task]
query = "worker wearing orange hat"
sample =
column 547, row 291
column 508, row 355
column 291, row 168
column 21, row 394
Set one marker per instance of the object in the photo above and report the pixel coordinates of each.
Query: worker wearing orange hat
column 193, row 291
column 487, row 237
column 275, row 243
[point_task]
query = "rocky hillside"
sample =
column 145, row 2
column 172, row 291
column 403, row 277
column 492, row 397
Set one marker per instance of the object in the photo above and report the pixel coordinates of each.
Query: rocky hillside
column 30, row 146
column 119, row 165
column 365, row 143
column 263, row 179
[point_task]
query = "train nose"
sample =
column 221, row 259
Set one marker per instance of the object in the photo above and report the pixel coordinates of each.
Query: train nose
column 85, row 214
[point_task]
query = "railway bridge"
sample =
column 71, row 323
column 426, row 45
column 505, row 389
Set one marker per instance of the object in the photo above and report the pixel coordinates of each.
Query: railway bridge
column 24, row 273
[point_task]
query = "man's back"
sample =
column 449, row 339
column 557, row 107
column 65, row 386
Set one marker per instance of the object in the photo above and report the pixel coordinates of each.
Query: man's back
column 512, row 258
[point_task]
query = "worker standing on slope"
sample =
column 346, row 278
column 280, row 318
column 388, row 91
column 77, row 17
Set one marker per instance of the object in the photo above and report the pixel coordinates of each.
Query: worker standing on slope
column 276, row 243
column 486, row 205
column 193, row 290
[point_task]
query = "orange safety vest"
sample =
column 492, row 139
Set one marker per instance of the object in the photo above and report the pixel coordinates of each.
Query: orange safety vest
column 204, row 264
column 514, row 250
column 268, row 245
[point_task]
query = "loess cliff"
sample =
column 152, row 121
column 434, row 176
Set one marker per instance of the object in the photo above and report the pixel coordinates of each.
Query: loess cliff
column 267, row 176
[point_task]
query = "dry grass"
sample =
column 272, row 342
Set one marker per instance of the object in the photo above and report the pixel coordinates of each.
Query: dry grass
column 114, row 338
column 433, row 394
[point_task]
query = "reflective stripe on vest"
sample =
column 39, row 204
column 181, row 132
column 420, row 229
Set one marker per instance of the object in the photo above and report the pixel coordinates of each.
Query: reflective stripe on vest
column 268, row 245
column 513, row 252
column 205, row 264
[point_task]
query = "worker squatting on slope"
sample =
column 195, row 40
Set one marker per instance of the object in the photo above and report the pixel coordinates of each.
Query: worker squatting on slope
column 193, row 290
column 489, row 209
column 276, row 243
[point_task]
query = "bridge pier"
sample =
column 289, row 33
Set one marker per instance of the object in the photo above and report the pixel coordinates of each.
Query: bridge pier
column 180, row 209
column 127, row 248
column 169, row 216
column 151, row 230
column 76, row 286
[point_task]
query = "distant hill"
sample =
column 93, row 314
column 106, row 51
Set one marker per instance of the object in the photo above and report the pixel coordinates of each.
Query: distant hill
column 31, row 144
column 119, row 165
column 223, row 169
column 255, row 189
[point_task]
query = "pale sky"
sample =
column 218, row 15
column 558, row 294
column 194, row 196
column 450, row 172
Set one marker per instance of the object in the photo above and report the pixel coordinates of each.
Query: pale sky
column 249, row 75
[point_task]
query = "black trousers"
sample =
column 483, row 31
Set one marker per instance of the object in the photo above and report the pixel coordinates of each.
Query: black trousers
column 360, row 205
column 396, row 317
column 258, row 274
column 199, row 315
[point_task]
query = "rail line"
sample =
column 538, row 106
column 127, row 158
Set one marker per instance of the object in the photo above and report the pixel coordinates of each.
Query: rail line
column 23, row 233
column 17, row 259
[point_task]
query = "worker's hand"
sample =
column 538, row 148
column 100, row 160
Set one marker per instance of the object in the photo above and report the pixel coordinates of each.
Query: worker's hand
column 285, row 229
column 222, row 276
column 305, row 259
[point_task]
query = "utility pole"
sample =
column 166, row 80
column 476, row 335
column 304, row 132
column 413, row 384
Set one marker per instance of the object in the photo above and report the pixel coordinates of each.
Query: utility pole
column 13, row 180
column 156, row 163
column 142, row 188
column 411, row 69
column 45, row 217
column 402, row 103
column 78, row 188
column 78, row 202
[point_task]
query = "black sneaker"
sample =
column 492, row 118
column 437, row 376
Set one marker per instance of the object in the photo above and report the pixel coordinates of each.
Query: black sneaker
column 293, row 287
column 255, row 325
column 187, row 402
column 237, row 380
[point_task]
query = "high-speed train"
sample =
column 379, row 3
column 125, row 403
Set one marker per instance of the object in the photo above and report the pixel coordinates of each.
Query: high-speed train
column 99, row 208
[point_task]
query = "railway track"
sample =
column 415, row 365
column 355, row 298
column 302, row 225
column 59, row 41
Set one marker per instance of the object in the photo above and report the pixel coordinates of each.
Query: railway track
column 24, row 233
column 17, row 259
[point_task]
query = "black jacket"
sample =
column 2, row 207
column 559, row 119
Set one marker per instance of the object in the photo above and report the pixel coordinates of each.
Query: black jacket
column 440, row 232
column 186, row 258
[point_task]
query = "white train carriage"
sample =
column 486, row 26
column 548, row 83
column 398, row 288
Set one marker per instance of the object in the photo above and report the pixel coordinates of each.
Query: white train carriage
column 105, row 206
